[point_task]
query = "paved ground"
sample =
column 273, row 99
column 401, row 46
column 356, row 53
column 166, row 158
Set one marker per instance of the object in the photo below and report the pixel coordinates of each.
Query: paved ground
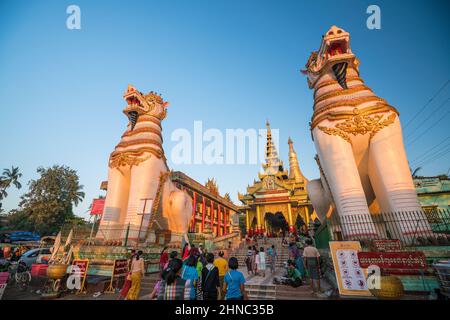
column 12, row 292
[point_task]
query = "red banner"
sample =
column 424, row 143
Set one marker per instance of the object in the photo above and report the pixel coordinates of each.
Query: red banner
column 97, row 206
column 393, row 260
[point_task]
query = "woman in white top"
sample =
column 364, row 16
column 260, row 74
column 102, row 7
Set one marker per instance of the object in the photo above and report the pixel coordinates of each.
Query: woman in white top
column 262, row 261
column 137, row 271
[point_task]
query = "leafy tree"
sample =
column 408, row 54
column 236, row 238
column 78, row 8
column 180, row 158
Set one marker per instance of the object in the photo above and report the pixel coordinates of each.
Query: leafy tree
column 49, row 202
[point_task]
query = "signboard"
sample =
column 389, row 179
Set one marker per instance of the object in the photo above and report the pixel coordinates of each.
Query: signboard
column 97, row 206
column 120, row 269
column 351, row 278
column 81, row 271
column 387, row 245
column 111, row 214
column 394, row 262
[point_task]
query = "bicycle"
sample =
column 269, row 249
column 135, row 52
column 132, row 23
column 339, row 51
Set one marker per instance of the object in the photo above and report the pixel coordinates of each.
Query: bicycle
column 19, row 274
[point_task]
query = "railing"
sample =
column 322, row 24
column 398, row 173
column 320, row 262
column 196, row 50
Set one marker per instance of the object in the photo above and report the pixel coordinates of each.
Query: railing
column 412, row 228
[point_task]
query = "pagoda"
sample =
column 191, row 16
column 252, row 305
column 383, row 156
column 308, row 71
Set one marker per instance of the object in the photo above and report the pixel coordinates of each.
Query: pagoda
column 278, row 200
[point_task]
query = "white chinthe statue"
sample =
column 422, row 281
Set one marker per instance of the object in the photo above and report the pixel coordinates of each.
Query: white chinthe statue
column 139, row 176
column 359, row 144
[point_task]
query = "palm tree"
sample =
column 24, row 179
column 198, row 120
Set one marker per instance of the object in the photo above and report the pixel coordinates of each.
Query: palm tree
column 9, row 177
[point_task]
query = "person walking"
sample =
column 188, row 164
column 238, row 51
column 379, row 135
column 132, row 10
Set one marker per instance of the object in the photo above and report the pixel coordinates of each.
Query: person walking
column 248, row 260
column 189, row 272
column 137, row 272
column 194, row 251
column 262, row 262
column 234, row 282
column 210, row 279
column 255, row 260
column 127, row 283
column 185, row 252
column 273, row 255
column 172, row 286
column 199, row 268
column 222, row 266
column 312, row 262
column 163, row 259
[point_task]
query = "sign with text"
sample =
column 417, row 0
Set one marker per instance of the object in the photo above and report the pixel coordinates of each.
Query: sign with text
column 351, row 278
column 387, row 245
column 120, row 269
column 97, row 206
column 394, row 262
column 79, row 270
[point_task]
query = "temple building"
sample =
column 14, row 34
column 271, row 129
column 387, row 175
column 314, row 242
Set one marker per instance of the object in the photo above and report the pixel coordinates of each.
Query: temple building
column 433, row 192
column 278, row 201
column 210, row 210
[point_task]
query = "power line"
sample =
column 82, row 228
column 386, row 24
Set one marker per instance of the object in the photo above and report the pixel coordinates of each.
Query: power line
column 427, row 153
column 433, row 112
column 426, row 104
column 438, row 156
column 433, row 124
column 432, row 157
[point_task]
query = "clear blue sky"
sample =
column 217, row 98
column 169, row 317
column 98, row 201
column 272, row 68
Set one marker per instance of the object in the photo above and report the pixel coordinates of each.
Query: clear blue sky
column 231, row 64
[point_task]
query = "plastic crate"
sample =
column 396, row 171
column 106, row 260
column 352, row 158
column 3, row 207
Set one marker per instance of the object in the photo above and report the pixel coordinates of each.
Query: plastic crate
column 39, row 270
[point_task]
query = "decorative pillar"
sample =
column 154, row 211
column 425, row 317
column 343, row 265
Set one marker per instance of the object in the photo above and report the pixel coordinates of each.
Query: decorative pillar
column 212, row 216
column 291, row 223
column 219, row 232
column 194, row 208
column 203, row 212
column 307, row 215
column 227, row 219
column 224, row 220
column 258, row 218
column 247, row 220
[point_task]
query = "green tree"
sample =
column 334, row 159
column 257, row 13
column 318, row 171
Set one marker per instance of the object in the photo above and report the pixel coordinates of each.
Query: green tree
column 49, row 202
column 9, row 177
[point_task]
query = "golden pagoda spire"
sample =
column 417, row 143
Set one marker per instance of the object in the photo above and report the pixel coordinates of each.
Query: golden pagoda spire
column 294, row 168
column 273, row 163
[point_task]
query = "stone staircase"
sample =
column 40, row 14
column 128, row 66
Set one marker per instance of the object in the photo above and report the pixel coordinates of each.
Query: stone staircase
column 283, row 254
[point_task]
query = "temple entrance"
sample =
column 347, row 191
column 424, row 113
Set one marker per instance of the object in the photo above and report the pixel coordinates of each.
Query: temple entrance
column 276, row 223
column 253, row 226
column 300, row 225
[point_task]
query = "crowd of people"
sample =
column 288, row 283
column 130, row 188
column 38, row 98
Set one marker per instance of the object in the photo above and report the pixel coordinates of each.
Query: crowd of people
column 198, row 275
column 12, row 253
column 303, row 262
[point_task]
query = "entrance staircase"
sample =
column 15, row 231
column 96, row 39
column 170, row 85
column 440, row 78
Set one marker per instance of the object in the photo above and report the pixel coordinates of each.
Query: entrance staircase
column 241, row 252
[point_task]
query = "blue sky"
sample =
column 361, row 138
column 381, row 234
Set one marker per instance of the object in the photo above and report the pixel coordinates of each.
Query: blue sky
column 231, row 64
